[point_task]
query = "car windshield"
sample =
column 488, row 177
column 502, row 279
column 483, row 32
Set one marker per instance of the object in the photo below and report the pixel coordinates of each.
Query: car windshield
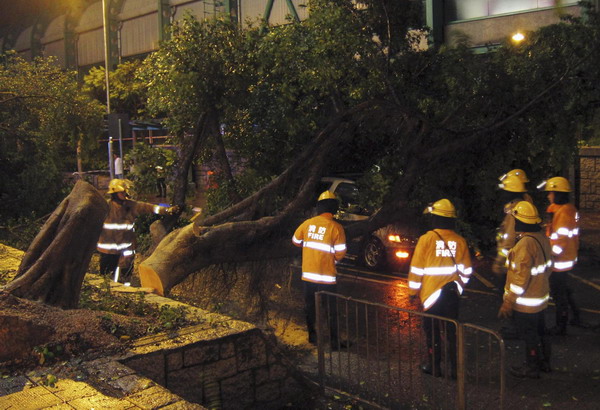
column 348, row 193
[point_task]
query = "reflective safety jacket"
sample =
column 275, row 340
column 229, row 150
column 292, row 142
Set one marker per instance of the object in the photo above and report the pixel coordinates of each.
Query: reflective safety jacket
column 529, row 267
column 436, row 262
column 563, row 232
column 323, row 243
column 506, row 233
column 118, row 235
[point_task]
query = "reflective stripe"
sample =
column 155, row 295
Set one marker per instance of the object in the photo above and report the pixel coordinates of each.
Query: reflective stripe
column 441, row 270
column 417, row 271
column 114, row 246
column 516, row 289
column 128, row 253
column 340, row 247
column 414, row 285
column 556, row 249
column 298, row 241
column 157, row 209
column 564, row 265
column 504, row 252
column 467, row 271
column 316, row 277
column 460, row 288
column 536, row 270
column 565, row 232
column 319, row 246
column 118, row 227
column 432, row 299
column 532, row 301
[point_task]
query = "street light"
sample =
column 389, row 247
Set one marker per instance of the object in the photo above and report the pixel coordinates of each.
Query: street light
column 518, row 37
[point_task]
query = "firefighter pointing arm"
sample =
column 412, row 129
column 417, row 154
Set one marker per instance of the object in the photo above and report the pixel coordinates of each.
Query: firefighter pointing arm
column 117, row 242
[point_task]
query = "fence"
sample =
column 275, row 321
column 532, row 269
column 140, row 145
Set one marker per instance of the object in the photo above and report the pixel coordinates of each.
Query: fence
column 378, row 355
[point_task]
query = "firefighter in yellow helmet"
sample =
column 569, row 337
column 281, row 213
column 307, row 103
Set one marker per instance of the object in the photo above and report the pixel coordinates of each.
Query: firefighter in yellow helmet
column 440, row 269
column 323, row 243
column 563, row 231
column 513, row 191
column 526, row 291
column 117, row 242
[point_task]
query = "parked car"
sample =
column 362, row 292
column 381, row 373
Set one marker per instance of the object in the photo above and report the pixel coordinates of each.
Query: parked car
column 391, row 246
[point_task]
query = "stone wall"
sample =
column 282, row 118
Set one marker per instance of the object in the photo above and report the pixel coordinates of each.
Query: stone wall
column 589, row 178
column 241, row 369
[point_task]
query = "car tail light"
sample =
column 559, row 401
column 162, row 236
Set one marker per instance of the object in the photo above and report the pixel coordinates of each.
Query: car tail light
column 395, row 238
column 402, row 254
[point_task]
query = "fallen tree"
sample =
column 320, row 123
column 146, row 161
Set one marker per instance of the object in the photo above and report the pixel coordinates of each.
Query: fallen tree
column 55, row 263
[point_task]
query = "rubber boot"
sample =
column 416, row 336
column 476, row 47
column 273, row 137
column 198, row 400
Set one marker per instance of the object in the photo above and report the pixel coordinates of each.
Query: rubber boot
column 531, row 368
column 562, row 317
column 432, row 363
column 546, row 351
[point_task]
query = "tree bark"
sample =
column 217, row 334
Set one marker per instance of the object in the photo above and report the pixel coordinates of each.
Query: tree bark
column 53, row 267
column 194, row 247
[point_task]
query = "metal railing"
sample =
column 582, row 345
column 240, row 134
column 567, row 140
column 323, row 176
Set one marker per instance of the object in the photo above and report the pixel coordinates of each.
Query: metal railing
column 374, row 352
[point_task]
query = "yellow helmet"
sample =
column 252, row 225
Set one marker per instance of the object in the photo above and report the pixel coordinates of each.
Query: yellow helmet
column 443, row 207
column 526, row 212
column 519, row 173
column 512, row 183
column 119, row 185
column 326, row 195
column 557, row 184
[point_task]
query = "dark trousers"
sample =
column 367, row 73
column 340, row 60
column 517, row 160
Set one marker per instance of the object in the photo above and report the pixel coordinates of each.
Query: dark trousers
column 531, row 327
column 161, row 187
column 110, row 262
column 446, row 306
column 563, row 298
column 328, row 305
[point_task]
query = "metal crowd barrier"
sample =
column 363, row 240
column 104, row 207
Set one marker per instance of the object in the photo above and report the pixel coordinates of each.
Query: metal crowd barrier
column 380, row 348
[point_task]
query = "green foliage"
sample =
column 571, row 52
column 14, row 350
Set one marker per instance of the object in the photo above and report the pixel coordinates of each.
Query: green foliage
column 127, row 92
column 275, row 88
column 43, row 116
column 47, row 354
column 165, row 317
column 143, row 160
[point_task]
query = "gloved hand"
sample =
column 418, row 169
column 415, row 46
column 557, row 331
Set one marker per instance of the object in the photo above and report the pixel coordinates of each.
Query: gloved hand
column 505, row 310
column 172, row 210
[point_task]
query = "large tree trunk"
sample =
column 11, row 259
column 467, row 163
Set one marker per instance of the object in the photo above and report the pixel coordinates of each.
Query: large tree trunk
column 194, row 247
column 53, row 267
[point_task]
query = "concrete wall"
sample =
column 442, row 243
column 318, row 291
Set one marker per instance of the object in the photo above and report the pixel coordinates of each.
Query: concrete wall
column 589, row 178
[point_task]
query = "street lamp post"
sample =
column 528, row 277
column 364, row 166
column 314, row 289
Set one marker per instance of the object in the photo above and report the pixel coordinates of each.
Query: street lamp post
column 105, row 22
column 106, row 27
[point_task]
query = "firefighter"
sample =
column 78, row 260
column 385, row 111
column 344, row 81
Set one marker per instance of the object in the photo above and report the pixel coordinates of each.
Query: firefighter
column 323, row 243
column 513, row 191
column 440, row 269
column 117, row 241
column 563, row 231
column 526, row 291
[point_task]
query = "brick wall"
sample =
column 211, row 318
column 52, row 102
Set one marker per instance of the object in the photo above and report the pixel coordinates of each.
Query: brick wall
column 589, row 178
column 241, row 369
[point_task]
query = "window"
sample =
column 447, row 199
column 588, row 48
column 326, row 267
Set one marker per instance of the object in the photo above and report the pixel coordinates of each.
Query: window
column 471, row 9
